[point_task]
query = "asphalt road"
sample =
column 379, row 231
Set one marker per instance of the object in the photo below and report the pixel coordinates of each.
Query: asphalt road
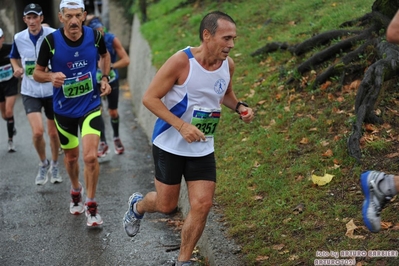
column 36, row 226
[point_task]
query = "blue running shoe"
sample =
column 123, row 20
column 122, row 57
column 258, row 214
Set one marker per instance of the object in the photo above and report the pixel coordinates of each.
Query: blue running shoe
column 131, row 221
column 374, row 201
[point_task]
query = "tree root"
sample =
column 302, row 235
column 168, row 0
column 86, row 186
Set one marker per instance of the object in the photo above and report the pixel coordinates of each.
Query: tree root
column 354, row 45
column 369, row 89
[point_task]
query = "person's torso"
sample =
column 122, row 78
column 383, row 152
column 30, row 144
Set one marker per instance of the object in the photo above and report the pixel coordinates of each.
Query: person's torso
column 197, row 101
column 6, row 71
column 79, row 94
column 28, row 52
column 109, row 43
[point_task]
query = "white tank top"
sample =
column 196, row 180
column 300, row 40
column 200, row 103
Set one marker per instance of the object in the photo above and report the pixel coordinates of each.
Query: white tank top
column 197, row 101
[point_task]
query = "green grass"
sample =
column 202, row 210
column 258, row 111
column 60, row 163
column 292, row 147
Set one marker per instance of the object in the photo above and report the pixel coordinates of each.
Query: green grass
column 265, row 168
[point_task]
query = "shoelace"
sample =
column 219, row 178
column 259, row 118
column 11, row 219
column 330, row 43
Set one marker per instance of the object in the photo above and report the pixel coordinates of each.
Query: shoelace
column 55, row 171
column 92, row 209
column 76, row 199
column 118, row 143
column 43, row 171
column 383, row 203
column 102, row 147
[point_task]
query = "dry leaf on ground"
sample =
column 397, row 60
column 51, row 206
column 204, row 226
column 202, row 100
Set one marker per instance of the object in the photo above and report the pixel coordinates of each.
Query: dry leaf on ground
column 350, row 230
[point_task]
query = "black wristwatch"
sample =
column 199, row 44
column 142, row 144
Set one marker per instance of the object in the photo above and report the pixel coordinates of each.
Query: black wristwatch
column 108, row 78
column 238, row 105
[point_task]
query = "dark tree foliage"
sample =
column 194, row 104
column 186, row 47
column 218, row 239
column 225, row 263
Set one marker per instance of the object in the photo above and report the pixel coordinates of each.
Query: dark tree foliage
column 363, row 37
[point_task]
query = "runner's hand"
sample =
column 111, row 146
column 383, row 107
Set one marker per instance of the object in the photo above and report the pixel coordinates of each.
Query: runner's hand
column 57, row 79
column 191, row 133
column 105, row 88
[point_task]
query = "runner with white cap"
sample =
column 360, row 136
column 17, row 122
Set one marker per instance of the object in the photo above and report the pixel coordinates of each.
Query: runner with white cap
column 72, row 51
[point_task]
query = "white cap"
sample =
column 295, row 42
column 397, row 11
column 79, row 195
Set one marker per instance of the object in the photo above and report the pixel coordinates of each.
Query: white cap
column 1, row 33
column 72, row 4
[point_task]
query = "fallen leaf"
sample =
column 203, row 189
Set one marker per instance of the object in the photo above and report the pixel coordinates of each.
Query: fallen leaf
column 350, row 230
column 322, row 180
column 370, row 127
column 278, row 247
column 392, row 155
column 262, row 258
column 386, row 225
column 304, row 141
column 258, row 197
column 325, row 85
column 287, row 220
column 328, row 153
column 340, row 99
column 336, row 138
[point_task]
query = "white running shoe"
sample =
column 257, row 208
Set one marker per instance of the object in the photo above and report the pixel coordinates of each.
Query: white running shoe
column 42, row 175
column 118, row 146
column 102, row 150
column 55, row 174
column 93, row 218
column 11, row 147
column 76, row 206
column 131, row 221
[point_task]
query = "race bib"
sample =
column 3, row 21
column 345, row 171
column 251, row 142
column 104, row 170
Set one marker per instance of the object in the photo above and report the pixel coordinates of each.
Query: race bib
column 78, row 86
column 206, row 120
column 6, row 72
column 29, row 67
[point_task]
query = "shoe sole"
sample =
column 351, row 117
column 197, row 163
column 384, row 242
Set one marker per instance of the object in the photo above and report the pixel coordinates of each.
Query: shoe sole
column 76, row 213
column 40, row 183
column 54, row 181
column 366, row 202
column 94, row 224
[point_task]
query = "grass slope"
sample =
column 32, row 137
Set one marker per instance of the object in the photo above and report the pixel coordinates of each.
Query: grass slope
column 271, row 206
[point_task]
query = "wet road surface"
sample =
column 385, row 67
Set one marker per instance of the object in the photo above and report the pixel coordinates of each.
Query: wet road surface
column 36, row 226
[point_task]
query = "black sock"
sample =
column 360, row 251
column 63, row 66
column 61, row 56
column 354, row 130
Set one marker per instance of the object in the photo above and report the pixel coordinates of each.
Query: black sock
column 102, row 131
column 115, row 126
column 10, row 126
